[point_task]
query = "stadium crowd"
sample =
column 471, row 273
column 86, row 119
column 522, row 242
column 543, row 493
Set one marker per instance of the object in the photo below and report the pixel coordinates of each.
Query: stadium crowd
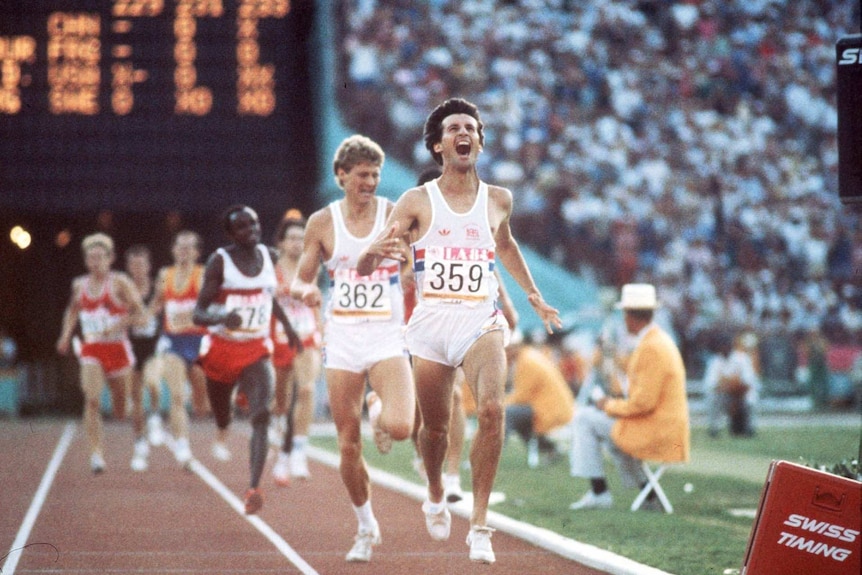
column 689, row 144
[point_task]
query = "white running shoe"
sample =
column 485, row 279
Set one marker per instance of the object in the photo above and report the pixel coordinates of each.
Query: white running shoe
column 155, row 430
column 97, row 463
column 281, row 470
column 299, row 464
column 592, row 501
column 220, row 451
column 479, row 540
column 382, row 439
column 437, row 521
column 140, row 455
column 452, row 488
column 182, row 451
column 362, row 545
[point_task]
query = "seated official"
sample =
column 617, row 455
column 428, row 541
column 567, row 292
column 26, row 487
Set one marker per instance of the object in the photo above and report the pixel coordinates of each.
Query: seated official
column 650, row 423
column 540, row 400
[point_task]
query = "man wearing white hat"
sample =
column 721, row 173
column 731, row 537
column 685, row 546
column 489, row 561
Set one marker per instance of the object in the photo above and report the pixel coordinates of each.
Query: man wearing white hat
column 651, row 423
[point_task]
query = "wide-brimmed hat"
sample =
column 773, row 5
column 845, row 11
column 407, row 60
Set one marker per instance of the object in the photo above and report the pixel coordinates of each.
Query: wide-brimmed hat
column 638, row 296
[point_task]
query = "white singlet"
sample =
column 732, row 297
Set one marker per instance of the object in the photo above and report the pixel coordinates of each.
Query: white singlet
column 364, row 314
column 251, row 297
column 456, row 287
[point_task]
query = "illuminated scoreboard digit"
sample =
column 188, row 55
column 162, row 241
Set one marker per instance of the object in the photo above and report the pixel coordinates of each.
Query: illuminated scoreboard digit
column 156, row 104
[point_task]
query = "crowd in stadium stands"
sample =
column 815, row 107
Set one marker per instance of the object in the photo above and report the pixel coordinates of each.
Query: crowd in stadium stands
column 689, row 143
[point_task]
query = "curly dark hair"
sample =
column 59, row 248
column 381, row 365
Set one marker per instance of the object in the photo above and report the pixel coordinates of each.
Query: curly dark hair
column 434, row 123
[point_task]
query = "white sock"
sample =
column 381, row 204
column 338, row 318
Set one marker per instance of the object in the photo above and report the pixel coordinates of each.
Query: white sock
column 365, row 516
column 435, row 508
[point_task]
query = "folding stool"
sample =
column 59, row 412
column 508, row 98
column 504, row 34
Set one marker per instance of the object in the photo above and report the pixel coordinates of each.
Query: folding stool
column 653, row 475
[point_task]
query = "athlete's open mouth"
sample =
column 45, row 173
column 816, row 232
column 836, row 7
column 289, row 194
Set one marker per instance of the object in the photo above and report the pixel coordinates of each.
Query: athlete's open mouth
column 462, row 148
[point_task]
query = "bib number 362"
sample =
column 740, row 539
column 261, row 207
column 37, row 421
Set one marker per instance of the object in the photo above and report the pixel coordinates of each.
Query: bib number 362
column 357, row 298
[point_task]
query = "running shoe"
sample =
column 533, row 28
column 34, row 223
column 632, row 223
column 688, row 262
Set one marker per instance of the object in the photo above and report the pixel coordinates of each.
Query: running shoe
column 155, row 430
column 382, row 439
column 362, row 545
column 438, row 520
column 299, row 464
column 479, row 540
column 592, row 501
column 253, row 501
column 182, row 451
column 281, row 470
column 97, row 463
column 139, row 456
column 220, row 451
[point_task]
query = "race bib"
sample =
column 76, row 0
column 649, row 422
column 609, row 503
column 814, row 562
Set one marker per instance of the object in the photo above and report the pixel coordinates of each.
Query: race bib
column 255, row 310
column 178, row 315
column 357, row 299
column 97, row 324
column 456, row 275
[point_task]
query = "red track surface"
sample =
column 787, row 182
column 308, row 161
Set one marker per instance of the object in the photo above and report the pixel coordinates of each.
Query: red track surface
column 167, row 520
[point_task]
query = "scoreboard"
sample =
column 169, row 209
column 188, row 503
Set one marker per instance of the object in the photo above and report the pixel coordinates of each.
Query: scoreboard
column 156, row 105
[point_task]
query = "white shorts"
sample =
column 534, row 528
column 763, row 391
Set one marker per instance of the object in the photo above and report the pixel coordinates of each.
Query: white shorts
column 357, row 347
column 444, row 333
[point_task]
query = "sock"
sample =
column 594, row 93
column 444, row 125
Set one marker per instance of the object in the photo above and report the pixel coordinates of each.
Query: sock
column 436, row 507
column 598, row 485
column 365, row 516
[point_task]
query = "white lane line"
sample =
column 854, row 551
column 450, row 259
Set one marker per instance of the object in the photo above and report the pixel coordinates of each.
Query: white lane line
column 20, row 542
column 201, row 471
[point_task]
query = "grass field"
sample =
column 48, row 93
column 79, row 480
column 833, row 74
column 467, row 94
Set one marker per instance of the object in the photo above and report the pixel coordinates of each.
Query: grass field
column 711, row 524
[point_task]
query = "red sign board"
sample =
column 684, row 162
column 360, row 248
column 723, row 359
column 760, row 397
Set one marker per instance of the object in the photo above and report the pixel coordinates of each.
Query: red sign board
column 808, row 523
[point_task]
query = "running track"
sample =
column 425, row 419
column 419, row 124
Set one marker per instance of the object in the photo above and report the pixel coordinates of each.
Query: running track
column 56, row 517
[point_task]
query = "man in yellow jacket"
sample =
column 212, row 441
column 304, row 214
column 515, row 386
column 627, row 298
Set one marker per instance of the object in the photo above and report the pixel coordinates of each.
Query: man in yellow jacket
column 651, row 423
column 540, row 399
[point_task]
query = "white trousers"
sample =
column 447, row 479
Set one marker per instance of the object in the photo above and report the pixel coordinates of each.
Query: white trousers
column 591, row 432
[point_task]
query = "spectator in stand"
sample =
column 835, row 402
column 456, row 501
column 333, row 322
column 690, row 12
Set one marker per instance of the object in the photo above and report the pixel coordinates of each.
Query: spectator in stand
column 732, row 388
column 742, row 177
